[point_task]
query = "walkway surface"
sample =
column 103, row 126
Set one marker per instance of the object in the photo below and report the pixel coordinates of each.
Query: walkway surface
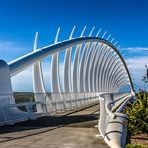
column 71, row 130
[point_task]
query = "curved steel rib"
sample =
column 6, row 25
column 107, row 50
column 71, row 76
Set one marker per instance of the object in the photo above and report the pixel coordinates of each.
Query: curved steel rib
column 24, row 62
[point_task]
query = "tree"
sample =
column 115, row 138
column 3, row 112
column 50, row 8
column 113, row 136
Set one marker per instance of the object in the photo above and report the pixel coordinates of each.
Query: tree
column 145, row 78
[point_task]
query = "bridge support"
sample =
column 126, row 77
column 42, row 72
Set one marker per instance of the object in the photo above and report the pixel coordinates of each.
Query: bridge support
column 5, row 84
column 116, row 131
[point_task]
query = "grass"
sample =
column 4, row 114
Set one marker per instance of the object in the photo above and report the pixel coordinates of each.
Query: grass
column 135, row 146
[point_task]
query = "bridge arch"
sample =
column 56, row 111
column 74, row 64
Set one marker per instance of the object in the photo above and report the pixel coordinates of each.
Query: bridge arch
column 28, row 60
column 97, row 73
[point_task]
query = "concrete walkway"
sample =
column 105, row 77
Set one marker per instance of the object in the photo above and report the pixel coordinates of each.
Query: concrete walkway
column 71, row 130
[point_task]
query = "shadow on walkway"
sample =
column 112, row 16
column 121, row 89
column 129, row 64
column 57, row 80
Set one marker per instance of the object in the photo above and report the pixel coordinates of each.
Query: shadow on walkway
column 48, row 121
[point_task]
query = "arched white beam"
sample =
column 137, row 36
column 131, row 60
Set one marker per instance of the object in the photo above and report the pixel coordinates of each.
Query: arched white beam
column 87, row 61
column 114, row 70
column 91, row 65
column 88, row 64
column 95, row 67
column 55, row 78
column 92, row 82
column 122, row 78
column 75, row 76
column 103, row 46
column 115, row 43
column 26, row 61
column 88, row 76
column 67, row 67
column 121, row 75
column 105, row 50
column 118, row 70
column 98, row 66
column 111, row 66
column 105, row 65
column 115, row 67
column 38, row 82
column 100, row 50
column 83, row 64
column 108, row 67
column 82, row 67
column 122, row 85
column 119, row 78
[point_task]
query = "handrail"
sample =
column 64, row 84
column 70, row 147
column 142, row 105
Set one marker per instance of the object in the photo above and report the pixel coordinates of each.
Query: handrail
column 107, row 106
column 21, row 104
column 123, row 104
column 111, row 113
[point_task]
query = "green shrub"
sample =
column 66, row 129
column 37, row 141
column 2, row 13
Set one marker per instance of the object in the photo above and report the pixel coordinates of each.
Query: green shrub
column 135, row 146
column 138, row 114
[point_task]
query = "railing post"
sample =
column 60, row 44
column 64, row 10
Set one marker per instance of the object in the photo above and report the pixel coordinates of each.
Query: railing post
column 28, row 110
column 4, row 114
column 45, row 104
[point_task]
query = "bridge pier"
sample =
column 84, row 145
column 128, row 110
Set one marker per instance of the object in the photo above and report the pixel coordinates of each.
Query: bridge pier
column 5, row 79
column 5, row 84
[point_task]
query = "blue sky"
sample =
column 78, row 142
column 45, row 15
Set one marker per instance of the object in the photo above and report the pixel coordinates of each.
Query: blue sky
column 126, row 20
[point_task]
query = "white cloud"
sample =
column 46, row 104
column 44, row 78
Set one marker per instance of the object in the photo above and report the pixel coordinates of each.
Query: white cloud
column 8, row 45
column 138, row 63
column 136, row 49
column 137, row 69
column 12, row 50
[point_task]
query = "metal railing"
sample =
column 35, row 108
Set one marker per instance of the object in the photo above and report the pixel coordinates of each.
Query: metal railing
column 113, row 122
column 24, row 106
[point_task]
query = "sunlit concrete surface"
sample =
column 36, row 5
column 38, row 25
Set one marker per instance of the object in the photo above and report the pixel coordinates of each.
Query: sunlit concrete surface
column 72, row 130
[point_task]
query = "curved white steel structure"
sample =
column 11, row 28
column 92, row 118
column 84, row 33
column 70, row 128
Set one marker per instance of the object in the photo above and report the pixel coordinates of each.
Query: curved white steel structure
column 98, row 72
column 67, row 67
column 55, row 79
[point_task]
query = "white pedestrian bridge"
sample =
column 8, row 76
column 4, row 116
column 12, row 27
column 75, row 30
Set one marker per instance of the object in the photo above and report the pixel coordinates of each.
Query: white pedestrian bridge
column 93, row 71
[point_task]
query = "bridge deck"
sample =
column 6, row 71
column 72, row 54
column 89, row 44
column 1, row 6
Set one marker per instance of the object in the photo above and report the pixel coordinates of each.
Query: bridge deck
column 70, row 130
